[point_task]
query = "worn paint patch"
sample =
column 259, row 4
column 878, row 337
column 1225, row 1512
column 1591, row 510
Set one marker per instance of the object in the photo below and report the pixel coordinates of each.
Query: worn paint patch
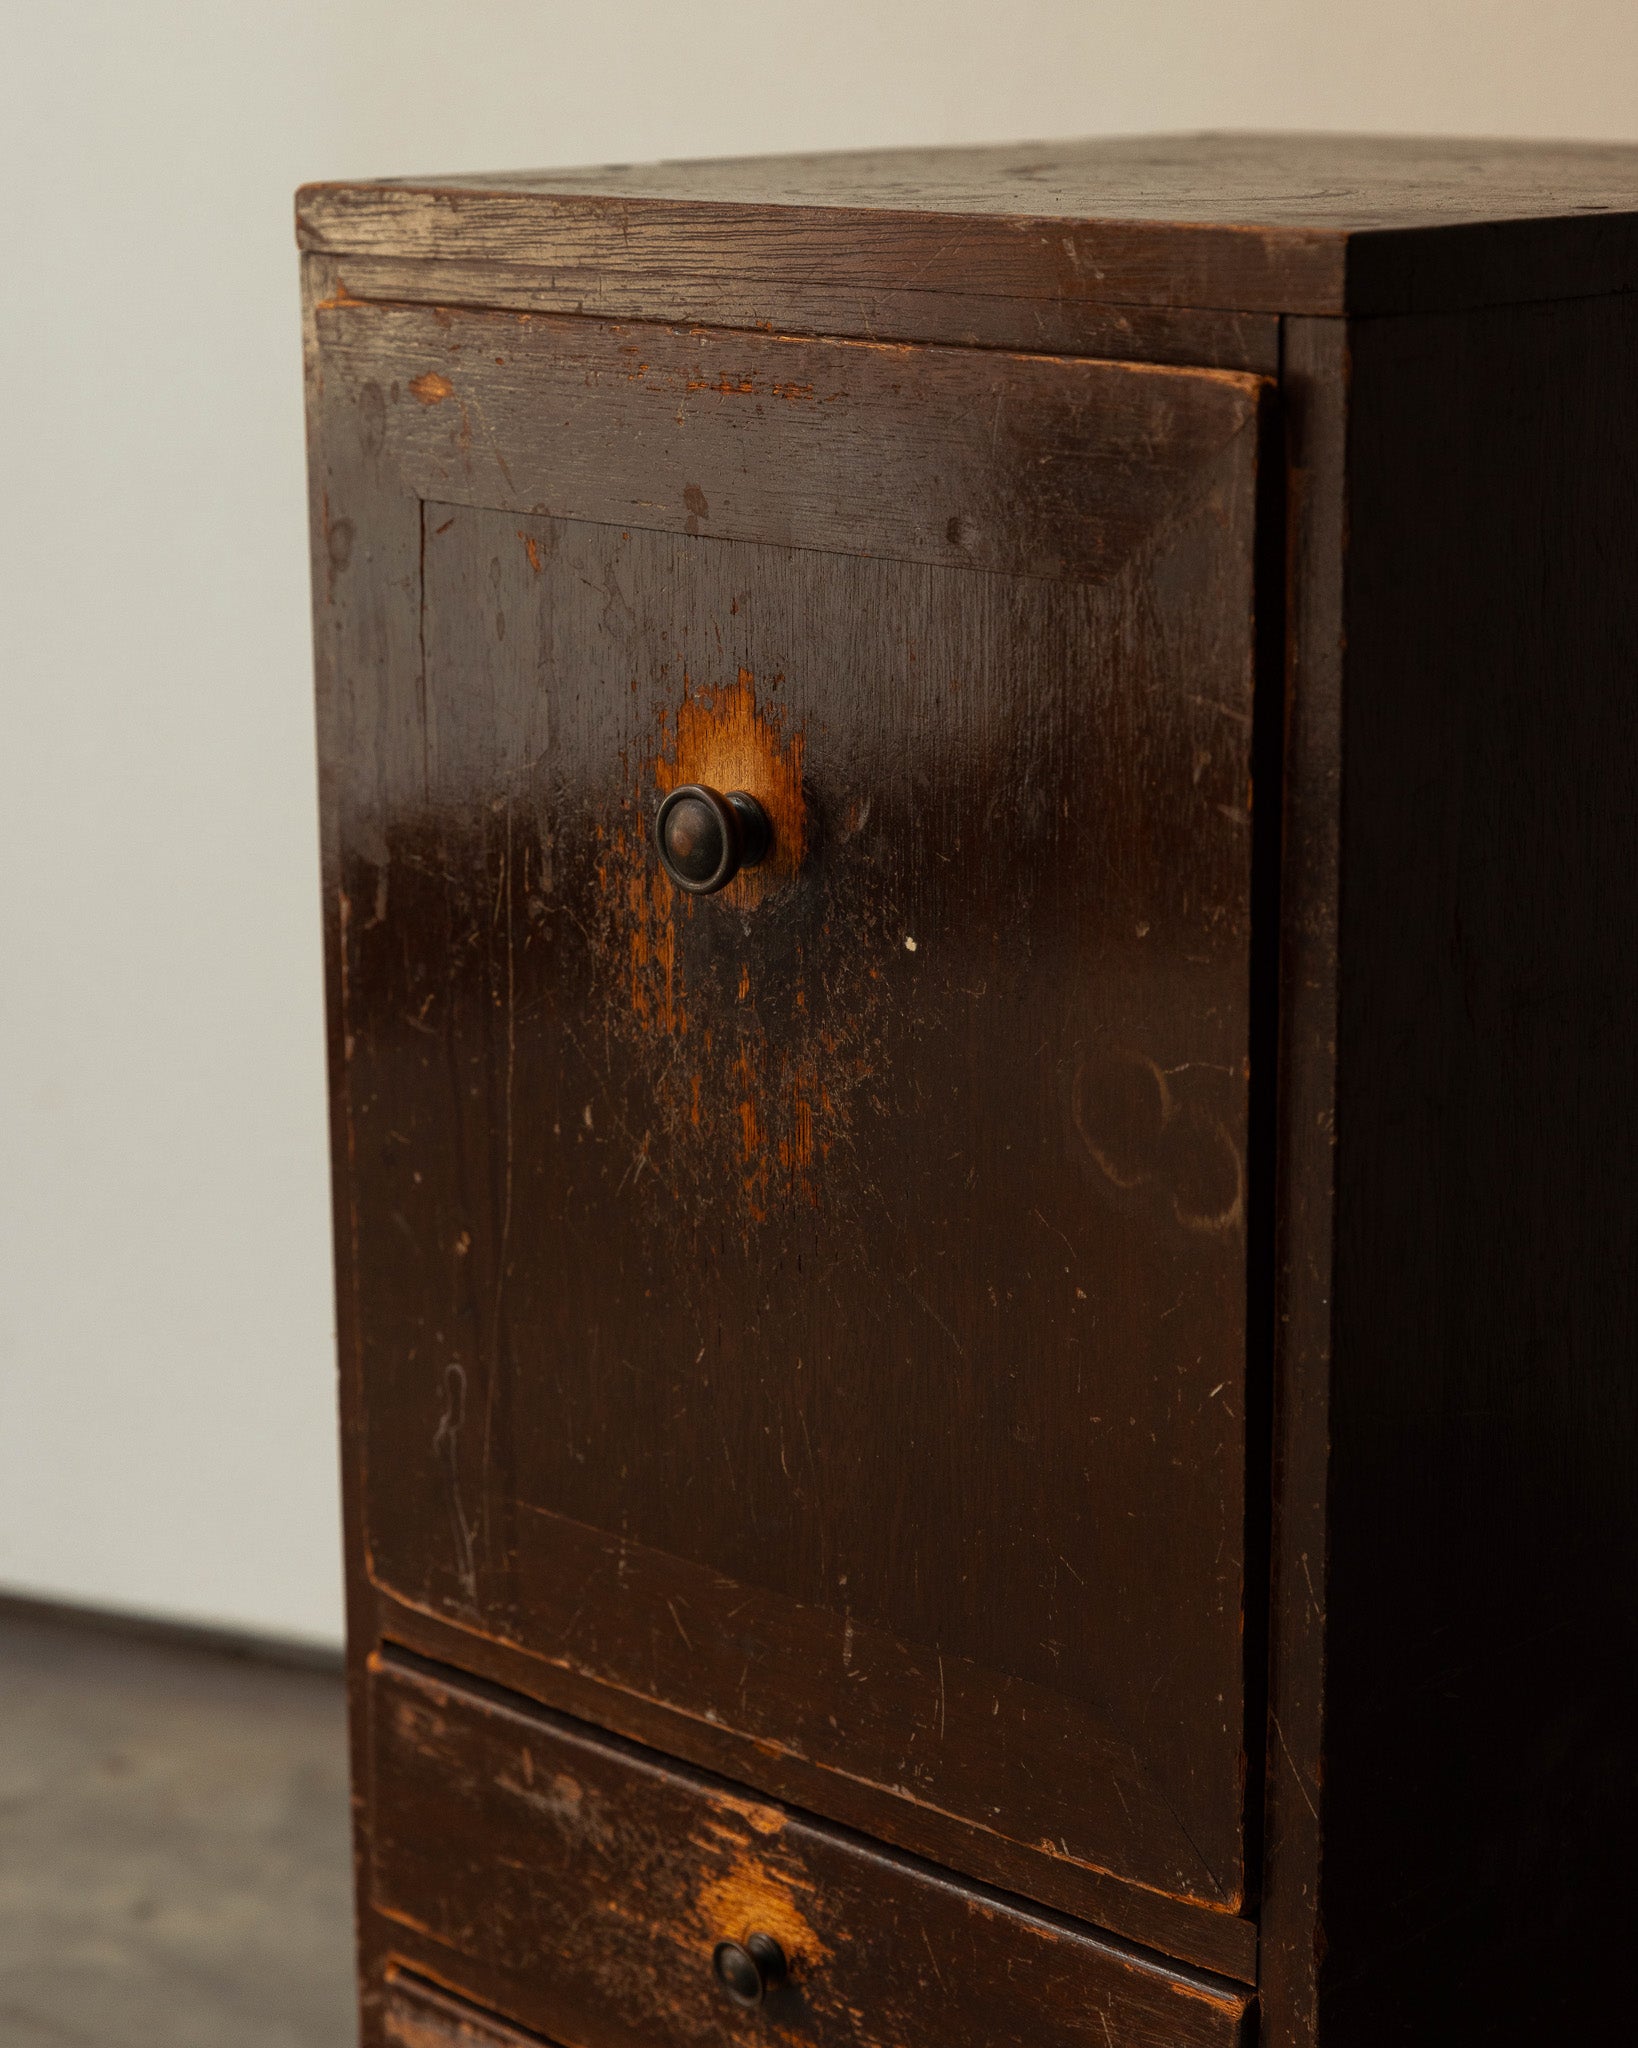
column 725, row 740
column 339, row 298
column 750, row 1898
column 556, row 1796
column 765, row 1819
column 1231, row 2004
column 751, row 1073
column 430, row 388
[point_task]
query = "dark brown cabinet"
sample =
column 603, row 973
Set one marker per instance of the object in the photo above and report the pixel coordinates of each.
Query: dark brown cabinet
column 1032, row 1400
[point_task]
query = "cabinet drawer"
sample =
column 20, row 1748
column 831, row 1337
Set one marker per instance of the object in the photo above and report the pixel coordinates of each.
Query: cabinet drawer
column 408, row 2014
column 581, row 1886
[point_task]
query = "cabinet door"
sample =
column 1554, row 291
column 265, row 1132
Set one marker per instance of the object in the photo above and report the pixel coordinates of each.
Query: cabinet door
column 819, row 1309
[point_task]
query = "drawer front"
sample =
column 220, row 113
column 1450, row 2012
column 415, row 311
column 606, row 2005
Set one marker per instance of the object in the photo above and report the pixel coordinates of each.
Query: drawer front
column 817, row 1309
column 581, row 1887
column 408, row 2014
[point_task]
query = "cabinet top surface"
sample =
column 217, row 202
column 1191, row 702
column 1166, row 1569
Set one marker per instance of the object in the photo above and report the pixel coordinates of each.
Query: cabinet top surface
column 1337, row 183
column 1280, row 223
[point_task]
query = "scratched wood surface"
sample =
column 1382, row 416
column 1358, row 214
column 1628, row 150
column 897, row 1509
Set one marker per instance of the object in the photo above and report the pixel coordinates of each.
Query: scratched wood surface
column 1221, row 1943
column 505, row 1835
column 820, row 1309
column 1029, row 465
column 563, row 277
column 1256, row 224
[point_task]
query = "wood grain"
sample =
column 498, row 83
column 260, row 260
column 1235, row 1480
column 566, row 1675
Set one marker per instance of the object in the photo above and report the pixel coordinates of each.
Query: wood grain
column 580, row 1885
column 1254, row 224
column 874, row 310
column 352, row 506
column 1025, row 465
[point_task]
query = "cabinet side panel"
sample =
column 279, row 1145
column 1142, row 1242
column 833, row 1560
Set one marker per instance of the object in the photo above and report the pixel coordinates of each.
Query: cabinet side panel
column 1483, row 1629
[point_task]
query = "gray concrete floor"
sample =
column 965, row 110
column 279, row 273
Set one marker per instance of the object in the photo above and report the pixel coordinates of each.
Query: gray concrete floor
column 173, row 1847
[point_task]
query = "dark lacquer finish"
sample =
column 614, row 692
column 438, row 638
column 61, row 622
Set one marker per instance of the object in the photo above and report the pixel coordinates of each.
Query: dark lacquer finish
column 1075, row 1318
column 594, row 1891
column 1484, row 1404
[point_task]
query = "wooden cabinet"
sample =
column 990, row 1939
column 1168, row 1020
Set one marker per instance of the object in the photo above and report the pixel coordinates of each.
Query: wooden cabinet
column 1000, row 1399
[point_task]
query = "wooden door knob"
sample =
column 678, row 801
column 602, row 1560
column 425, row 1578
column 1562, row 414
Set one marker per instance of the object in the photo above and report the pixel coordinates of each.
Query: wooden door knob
column 748, row 1970
column 704, row 838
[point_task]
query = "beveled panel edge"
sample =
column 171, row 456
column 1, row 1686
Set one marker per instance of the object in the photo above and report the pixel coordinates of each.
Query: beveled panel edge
column 441, row 393
column 1126, row 1818
column 391, row 1669
column 1175, row 336
column 1222, row 1944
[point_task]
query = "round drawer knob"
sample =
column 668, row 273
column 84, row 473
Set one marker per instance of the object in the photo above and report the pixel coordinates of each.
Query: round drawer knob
column 705, row 838
column 748, row 1970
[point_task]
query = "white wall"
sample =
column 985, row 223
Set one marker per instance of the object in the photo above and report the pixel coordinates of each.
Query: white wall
column 165, row 1329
